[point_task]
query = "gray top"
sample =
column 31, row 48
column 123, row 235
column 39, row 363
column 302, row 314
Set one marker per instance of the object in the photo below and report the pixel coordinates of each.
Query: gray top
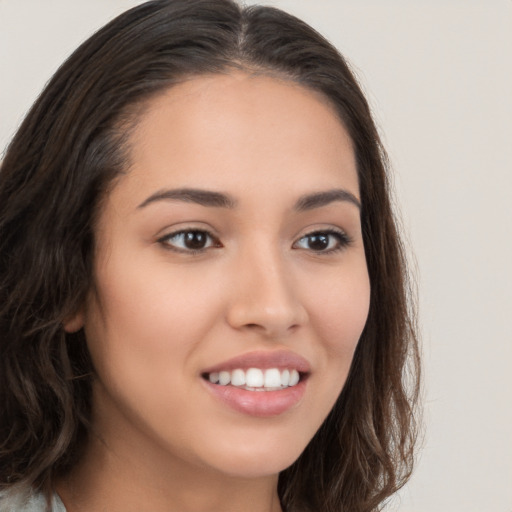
column 34, row 503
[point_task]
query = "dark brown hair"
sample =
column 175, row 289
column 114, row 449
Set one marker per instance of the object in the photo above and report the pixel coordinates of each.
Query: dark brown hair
column 71, row 146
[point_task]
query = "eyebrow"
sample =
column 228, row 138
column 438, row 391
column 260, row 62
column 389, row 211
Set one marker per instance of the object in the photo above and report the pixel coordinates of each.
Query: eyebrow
column 192, row 195
column 213, row 199
column 319, row 199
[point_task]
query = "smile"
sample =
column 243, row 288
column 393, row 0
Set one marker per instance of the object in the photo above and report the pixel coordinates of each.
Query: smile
column 256, row 379
column 261, row 384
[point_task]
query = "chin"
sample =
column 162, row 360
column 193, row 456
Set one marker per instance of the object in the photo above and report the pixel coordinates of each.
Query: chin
column 257, row 460
column 251, row 469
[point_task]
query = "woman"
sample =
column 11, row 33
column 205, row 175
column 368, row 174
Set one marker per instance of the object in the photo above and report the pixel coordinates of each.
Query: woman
column 204, row 297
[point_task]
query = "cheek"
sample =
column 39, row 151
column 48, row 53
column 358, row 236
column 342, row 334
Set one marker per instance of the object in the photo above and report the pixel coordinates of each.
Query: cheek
column 340, row 312
column 145, row 324
column 143, row 334
column 338, row 316
column 142, row 298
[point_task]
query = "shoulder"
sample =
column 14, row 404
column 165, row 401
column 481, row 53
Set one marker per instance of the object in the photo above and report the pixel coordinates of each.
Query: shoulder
column 31, row 503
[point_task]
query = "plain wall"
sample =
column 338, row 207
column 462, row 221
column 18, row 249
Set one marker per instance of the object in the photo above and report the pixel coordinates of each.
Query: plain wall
column 438, row 74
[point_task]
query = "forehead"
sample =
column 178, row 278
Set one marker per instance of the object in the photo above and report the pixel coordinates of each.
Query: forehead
column 243, row 132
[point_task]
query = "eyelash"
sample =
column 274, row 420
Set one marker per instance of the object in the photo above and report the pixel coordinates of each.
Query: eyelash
column 165, row 241
column 342, row 240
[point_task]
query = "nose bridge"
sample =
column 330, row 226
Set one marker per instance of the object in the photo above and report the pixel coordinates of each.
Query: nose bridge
column 264, row 296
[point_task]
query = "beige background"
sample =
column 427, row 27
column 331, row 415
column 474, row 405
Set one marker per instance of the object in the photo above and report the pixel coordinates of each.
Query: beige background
column 439, row 76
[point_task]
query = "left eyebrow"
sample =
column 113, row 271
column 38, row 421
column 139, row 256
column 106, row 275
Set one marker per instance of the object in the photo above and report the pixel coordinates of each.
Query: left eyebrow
column 319, row 199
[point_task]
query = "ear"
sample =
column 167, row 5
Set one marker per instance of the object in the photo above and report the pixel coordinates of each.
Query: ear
column 75, row 322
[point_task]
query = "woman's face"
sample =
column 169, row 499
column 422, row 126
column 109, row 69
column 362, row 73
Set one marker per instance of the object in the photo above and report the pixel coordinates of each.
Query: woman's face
column 230, row 252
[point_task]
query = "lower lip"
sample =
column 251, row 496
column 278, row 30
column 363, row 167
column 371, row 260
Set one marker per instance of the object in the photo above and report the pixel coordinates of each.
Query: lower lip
column 259, row 403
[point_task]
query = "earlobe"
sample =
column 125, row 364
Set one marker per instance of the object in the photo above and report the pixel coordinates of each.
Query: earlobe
column 74, row 322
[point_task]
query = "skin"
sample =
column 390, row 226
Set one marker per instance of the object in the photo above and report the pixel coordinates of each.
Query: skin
column 160, row 314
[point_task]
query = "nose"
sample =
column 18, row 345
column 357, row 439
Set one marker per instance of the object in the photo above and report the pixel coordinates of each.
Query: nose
column 264, row 296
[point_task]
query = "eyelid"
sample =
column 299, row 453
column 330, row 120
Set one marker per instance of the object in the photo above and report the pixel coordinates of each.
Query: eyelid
column 344, row 240
column 163, row 240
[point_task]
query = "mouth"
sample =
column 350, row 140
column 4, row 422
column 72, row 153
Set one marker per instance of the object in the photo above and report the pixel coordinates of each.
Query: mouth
column 257, row 379
column 261, row 384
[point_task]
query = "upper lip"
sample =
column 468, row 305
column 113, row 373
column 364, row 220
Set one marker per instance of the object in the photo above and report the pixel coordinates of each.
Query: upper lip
column 282, row 359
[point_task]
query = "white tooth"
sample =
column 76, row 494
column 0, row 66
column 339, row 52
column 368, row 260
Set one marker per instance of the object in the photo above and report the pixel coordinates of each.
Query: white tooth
column 238, row 378
column 272, row 378
column 254, row 378
column 294, row 378
column 285, row 378
column 213, row 377
column 224, row 378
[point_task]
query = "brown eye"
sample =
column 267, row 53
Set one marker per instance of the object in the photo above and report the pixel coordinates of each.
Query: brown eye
column 193, row 240
column 323, row 241
column 318, row 242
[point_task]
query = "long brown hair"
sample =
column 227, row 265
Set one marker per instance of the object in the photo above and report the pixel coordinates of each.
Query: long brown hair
column 59, row 166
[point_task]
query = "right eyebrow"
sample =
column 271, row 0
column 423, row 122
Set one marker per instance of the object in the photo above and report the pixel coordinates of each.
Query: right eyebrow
column 207, row 198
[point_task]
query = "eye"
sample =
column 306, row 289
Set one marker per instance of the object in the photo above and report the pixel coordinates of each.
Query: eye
column 189, row 240
column 323, row 241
